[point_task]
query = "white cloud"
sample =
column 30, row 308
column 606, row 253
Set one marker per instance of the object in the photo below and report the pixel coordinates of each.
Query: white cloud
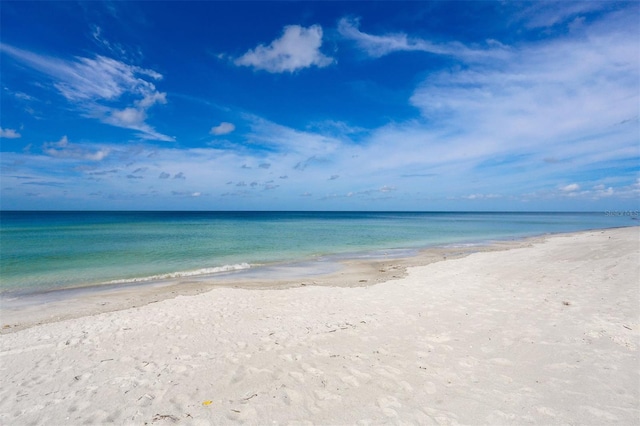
column 544, row 14
column 498, row 132
column 377, row 46
column 64, row 149
column 116, row 49
column 9, row 133
column 570, row 188
column 603, row 192
column 133, row 118
column 482, row 196
column 301, row 148
column 186, row 194
column 574, row 100
column 94, row 85
column 151, row 99
column 127, row 117
column 298, row 48
column 223, row 128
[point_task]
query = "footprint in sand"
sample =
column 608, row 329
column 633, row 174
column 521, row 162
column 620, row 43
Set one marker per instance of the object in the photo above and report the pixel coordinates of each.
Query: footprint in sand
column 246, row 414
column 600, row 414
column 430, row 388
column 325, row 395
column 359, row 374
column 546, row 411
column 290, row 357
column 406, row 386
column 311, row 370
column 239, row 375
column 299, row 377
column 389, row 372
column 351, row 381
column 178, row 368
column 292, row 397
column 501, row 361
column 468, row 362
column 387, row 405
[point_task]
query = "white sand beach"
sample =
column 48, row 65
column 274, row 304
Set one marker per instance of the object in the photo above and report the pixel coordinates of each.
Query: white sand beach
column 543, row 333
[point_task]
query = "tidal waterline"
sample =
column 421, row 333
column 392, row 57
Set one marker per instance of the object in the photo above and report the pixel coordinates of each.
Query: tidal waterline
column 43, row 251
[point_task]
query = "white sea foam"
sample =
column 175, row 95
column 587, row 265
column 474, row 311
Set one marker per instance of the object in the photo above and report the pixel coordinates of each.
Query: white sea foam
column 182, row 274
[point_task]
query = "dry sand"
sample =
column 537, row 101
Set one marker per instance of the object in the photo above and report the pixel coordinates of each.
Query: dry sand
column 547, row 333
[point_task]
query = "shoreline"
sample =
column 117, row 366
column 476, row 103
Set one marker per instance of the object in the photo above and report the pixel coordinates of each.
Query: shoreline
column 543, row 332
column 90, row 254
column 55, row 305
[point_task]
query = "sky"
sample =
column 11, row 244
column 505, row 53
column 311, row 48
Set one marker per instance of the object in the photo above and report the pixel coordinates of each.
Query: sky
column 421, row 106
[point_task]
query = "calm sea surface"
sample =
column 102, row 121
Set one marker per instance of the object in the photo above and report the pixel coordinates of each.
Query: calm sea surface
column 42, row 251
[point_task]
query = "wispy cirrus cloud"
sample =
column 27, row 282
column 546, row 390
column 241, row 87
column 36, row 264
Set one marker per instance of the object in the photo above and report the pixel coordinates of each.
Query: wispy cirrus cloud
column 545, row 113
column 560, row 99
column 296, row 49
column 278, row 138
column 127, row 52
column 377, row 46
column 546, row 14
column 99, row 86
column 544, row 122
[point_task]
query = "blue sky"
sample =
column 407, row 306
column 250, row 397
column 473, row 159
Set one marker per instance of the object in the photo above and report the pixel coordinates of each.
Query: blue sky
column 320, row 106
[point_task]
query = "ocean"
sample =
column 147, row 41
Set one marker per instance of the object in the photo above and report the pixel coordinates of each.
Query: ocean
column 42, row 251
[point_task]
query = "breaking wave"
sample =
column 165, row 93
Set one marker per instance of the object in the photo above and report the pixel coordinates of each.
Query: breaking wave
column 182, row 274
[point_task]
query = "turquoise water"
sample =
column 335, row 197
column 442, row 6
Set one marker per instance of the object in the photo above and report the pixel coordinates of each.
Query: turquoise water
column 41, row 251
